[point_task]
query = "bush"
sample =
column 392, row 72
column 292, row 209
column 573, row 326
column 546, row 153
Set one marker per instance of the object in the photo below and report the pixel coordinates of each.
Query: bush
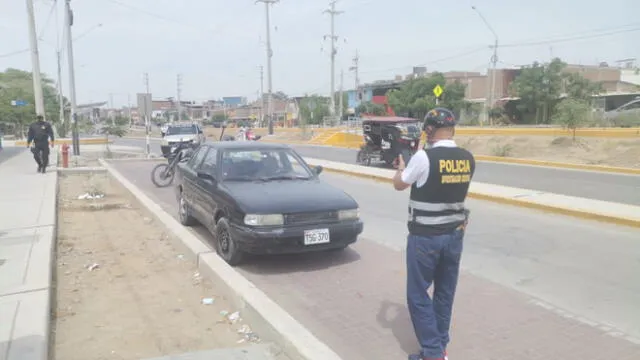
column 571, row 114
column 502, row 150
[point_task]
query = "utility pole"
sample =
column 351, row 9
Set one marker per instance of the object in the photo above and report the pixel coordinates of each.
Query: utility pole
column 261, row 94
column 60, row 97
column 267, row 3
column 494, row 61
column 72, row 79
column 111, row 111
column 341, row 96
column 179, row 95
column 129, row 108
column 147, row 115
column 35, row 60
column 333, row 12
column 355, row 68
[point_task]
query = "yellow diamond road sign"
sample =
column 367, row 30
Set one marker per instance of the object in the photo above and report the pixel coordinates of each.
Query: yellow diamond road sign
column 437, row 91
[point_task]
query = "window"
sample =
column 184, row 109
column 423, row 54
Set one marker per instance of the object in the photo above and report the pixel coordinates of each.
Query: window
column 182, row 130
column 196, row 158
column 267, row 164
column 210, row 162
column 632, row 106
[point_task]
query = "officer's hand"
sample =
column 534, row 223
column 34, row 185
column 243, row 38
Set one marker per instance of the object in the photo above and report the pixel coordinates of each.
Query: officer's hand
column 400, row 162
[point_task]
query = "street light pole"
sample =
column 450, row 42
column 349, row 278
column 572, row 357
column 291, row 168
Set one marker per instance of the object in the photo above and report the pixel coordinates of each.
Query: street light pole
column 333, row 12
column 494, row 61
column 72, row 79
column 35, row 61
column 268, row 3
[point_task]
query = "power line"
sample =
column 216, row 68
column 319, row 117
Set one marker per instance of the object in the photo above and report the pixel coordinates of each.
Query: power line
column 452, row 57
column 46, row 23
column 570, row 39
column 519, row 44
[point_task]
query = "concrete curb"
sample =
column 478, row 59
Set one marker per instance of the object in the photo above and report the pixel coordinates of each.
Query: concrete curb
column 80, row 170
column 600, row 168
column 92, row 141
column 512, row 201
column 283, row 329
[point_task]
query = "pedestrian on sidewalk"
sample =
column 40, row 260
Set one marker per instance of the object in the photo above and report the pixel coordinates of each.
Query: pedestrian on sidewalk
column 39, row 134
column 439, row 177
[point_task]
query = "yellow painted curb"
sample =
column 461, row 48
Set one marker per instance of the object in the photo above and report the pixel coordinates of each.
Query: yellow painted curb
column 613, row 169
column 514, row 202
column 96, row 141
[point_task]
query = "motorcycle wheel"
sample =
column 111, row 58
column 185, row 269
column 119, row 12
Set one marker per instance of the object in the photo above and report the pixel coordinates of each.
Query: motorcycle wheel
column 162, row 176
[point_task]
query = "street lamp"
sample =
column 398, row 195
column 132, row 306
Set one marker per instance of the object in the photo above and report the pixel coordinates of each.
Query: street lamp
column 494, row 60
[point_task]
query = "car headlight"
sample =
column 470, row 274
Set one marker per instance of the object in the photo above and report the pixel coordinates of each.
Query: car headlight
column 351, row 214
column 263, row 220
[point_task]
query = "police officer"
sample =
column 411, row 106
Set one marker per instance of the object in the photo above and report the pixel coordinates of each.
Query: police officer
column 439, row 177
column 39, row 133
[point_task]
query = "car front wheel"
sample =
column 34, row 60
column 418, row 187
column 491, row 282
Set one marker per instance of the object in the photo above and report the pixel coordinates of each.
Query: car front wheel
column 226, row 247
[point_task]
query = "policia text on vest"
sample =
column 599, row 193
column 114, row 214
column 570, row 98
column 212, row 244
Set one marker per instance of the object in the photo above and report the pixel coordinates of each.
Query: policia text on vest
column 455, row 171
column 437, row 207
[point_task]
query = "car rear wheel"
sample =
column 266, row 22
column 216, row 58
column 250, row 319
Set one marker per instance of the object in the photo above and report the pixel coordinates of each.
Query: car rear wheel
column 226, row 247
column 185, row 213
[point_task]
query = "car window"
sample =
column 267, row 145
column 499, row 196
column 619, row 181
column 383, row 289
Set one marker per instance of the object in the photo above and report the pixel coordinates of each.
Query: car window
column 633, row 106
column 196, row 158
column 265, row 164
column 182, row 130
column 210, row 161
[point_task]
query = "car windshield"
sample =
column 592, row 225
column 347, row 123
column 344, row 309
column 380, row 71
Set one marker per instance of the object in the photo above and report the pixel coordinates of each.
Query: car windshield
column 263, row 165
column 181, row 130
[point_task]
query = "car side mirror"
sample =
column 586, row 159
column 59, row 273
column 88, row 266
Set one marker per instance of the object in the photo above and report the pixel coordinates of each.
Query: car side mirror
column 206, row 176
column 200, row 131
column 318, row 169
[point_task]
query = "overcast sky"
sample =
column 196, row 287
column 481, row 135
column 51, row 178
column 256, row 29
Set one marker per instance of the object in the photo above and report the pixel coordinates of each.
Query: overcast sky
column 218, row 45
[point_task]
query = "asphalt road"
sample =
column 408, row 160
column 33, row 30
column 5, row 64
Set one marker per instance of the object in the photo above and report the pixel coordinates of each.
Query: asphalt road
column 7, row 153
column 587, row 184
column 522, row 269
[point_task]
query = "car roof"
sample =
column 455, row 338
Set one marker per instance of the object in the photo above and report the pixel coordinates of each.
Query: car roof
column 246, row 145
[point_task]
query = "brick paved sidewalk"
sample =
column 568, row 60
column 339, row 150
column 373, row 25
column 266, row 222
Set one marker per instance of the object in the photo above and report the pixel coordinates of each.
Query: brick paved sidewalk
column 358, row 308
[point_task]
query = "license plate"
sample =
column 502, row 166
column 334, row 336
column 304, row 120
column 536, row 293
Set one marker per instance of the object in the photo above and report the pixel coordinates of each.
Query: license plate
column 317, row 236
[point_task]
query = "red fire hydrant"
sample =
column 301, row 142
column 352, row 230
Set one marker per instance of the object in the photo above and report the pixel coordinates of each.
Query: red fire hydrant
column 65, row 155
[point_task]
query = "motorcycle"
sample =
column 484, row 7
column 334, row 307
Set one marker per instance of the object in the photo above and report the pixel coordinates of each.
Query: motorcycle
column 162, row 174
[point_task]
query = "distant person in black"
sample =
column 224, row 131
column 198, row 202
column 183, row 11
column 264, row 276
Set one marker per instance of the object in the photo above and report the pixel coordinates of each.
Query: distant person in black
column 439, row 177
column 39, row 134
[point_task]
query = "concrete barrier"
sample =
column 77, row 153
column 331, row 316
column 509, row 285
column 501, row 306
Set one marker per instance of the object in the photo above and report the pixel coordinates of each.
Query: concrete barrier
column 621, row 214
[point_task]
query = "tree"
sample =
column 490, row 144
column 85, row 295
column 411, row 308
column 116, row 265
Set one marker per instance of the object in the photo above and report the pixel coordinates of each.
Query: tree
column 18, row 85
column 579, row 87
column 368, row 107
column 415, row 97
column 119, row 128
column 571, row 113
column 539, row 86
column 314, row 108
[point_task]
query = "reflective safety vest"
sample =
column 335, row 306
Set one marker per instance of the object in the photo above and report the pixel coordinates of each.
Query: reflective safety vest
column 437, row 207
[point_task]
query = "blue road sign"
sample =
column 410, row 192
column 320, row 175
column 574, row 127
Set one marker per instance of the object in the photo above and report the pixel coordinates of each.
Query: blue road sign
column 18, row 103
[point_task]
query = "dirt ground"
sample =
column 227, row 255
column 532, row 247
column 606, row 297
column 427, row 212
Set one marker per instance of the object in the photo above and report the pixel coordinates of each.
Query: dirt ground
column 592, row 151
column 122, row 290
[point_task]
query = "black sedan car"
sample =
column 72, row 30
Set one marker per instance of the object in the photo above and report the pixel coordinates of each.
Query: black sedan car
column 262, row 198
